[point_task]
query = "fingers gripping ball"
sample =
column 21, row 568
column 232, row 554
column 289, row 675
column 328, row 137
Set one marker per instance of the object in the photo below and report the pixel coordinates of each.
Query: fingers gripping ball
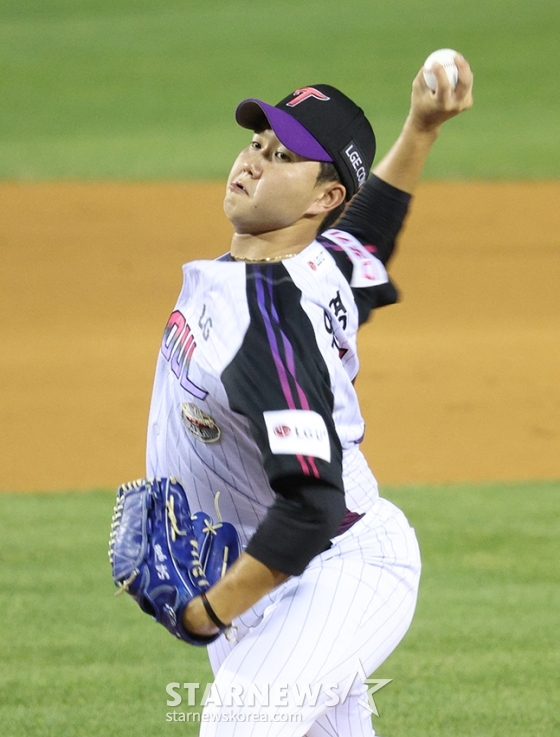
column 445, row 57
column 155, row 551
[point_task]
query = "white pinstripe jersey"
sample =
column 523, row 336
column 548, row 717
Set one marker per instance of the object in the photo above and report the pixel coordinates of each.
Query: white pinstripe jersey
column 254, row 380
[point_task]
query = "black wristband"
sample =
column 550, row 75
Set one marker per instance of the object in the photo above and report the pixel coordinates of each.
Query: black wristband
column 212, row 614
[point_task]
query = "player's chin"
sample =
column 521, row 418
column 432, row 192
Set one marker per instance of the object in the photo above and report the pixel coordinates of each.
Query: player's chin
column 240, row 215
column 230, row 206
column 236, row 218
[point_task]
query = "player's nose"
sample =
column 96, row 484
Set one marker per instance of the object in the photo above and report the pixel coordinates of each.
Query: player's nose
column 252, row 163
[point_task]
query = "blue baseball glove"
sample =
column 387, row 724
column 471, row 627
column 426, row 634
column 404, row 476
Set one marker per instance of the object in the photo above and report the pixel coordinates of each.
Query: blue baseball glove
column 162, row 555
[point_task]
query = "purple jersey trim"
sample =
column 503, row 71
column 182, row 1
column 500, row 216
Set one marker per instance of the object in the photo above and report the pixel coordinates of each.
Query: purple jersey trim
column 349, row 519
column 271, row 321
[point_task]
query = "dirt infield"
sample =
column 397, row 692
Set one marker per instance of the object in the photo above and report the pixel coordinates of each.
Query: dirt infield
column 461, row 381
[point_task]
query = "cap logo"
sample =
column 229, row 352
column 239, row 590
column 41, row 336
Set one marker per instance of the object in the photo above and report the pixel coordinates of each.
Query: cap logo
column 304, row 94
column 356, row 162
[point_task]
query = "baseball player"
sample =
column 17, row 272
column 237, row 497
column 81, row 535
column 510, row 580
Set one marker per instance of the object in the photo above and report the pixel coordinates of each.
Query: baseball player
column 254, row 409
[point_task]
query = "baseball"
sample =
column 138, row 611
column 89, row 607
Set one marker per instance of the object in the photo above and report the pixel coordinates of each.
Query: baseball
column 445, row 57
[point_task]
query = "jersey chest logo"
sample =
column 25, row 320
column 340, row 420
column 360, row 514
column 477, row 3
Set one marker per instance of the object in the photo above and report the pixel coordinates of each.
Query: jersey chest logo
column 178, row 347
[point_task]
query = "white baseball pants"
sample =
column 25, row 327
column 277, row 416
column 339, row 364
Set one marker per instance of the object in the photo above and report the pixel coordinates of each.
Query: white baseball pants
column 297, row 663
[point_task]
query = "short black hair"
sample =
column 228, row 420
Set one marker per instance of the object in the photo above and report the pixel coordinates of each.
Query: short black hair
column 328, row 173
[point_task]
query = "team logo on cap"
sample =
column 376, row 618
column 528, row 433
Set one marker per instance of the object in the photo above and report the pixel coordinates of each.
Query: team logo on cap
column 304, row 94
column 199, row 424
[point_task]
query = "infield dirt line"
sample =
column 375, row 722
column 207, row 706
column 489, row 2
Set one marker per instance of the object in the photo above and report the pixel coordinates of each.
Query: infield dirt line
column 458, row 382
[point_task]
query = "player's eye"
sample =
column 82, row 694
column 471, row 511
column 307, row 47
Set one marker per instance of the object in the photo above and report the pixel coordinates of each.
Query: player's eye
column 255, row 145
column 283, row 156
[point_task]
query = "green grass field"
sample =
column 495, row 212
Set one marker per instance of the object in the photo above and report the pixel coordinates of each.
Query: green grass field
column 135, row 89
column 481, row 659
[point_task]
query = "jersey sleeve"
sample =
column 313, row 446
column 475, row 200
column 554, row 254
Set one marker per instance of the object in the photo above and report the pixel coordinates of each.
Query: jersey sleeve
column 280, row 382
column 364, row 241
column 375, row 216
column 298, row 526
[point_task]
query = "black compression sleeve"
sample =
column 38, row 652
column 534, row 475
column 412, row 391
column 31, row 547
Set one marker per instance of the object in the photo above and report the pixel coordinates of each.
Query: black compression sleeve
column 298, row 526
column 376, row 215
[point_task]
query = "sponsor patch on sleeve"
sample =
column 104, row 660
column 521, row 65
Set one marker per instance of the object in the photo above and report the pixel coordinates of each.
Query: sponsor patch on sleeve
column 368, row 270
column 297, row 432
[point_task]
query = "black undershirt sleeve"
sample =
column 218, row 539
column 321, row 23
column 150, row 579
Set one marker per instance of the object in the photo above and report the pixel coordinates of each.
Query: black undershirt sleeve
column 298, row 526
column 376, row 215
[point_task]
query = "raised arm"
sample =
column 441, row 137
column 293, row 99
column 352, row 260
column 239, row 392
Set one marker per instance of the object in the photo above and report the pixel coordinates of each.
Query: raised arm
column 377, row 212
column 402, row 166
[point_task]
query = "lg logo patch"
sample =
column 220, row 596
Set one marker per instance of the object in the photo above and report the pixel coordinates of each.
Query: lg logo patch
column 298, row 432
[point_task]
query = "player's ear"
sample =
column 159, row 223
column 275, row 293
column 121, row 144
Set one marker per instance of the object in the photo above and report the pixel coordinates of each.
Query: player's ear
column 330, row 196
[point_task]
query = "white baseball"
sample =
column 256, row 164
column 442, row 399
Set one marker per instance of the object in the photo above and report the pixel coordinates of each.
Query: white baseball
column 445, row 57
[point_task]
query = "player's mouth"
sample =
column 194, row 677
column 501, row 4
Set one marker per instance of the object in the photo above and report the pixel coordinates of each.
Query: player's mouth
column 238, row 187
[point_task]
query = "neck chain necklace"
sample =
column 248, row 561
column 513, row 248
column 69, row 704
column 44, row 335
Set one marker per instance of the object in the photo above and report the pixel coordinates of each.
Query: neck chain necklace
column 264, row 259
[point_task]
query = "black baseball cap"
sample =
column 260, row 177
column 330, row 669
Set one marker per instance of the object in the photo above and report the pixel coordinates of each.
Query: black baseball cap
column 320, row 123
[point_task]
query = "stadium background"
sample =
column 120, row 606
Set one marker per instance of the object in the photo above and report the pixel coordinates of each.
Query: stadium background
column 116, row 135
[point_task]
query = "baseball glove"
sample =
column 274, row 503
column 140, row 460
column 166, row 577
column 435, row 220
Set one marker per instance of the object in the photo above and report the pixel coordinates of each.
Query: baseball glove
column 162, row 555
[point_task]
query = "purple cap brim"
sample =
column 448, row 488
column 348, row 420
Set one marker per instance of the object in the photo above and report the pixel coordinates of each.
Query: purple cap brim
column 289, row 131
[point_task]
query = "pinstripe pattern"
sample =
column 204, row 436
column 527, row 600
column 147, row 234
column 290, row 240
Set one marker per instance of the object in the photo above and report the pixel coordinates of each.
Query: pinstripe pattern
column 353, row 603
column 356, row 600
column 234, row 466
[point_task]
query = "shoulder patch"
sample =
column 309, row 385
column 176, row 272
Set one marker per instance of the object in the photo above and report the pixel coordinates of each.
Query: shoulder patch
column 368, row 271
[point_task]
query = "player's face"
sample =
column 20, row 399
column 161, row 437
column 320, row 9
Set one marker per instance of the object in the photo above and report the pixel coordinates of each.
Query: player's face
column 269, row 186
